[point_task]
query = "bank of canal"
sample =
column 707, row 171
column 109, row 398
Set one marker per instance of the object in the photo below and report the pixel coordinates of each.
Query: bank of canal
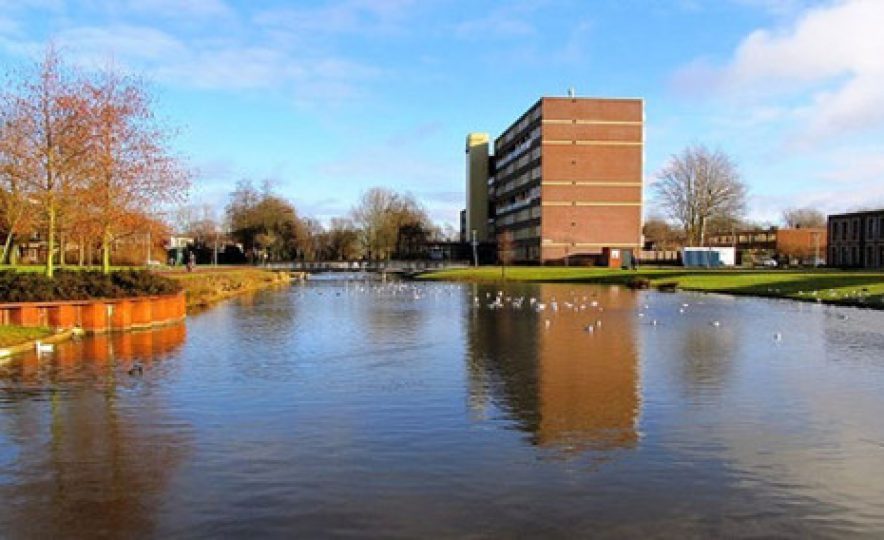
column 834, row 287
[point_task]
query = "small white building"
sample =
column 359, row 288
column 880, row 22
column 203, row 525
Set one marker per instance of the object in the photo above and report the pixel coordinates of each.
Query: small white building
column 708, row 257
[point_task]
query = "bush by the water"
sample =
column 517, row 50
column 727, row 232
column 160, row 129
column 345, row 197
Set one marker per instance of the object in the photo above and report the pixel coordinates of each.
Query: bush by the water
column 73, row 285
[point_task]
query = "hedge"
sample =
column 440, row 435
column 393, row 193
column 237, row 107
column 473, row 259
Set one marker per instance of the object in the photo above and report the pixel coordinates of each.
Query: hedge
column 82, row 285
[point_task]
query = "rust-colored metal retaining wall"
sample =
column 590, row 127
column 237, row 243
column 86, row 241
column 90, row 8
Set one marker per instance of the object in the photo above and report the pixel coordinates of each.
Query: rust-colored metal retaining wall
column 96, row 316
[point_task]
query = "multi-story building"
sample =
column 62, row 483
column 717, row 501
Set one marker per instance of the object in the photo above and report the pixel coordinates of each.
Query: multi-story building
column 857, row 239
column 565, row 181
column 800, row 245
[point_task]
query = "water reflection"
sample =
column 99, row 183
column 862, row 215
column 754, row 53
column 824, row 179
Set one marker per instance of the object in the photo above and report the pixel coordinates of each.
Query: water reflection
column 87, row 449
column 570, row 389
column 399, row 410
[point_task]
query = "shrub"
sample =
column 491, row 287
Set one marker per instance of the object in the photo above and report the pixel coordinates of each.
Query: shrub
column 668, row 286
column 73, row 285
column 639, row 283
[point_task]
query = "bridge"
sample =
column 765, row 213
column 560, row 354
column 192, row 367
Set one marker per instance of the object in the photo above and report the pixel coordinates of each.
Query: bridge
column 377, row 267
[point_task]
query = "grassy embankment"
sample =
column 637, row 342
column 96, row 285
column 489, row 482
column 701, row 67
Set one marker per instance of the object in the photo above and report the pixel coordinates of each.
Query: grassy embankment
column 828, row 286
column 16, row 335
column 205, row 287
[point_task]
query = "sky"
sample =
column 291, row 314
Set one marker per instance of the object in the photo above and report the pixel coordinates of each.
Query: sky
column 327, row 98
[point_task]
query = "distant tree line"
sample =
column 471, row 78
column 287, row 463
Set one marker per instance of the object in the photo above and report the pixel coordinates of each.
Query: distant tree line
column 83, row 159
column 383, row 224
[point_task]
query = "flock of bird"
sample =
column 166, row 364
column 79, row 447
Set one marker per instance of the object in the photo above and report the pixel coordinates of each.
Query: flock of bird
column 574, row 303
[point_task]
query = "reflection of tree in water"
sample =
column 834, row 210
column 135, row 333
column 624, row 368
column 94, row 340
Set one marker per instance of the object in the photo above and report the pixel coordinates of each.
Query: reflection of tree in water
column 88, row 463
column 569, row 390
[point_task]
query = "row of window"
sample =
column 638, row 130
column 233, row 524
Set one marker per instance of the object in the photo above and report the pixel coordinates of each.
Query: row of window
column 744, row 238
column 523, row 198
column 853, row 256
column 531, row 232
column 850, row 229
column 517, row 217
column 521, row 180
column 523, row 145
column 516, row 128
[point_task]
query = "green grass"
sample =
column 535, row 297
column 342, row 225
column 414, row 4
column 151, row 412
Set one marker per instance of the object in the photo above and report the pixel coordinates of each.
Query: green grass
column 16, row 335
column 860, row 288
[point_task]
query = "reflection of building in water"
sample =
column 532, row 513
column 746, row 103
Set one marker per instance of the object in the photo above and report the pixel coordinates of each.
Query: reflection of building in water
column 502, row 360
column 588, row 384
column 567, row 387
column 88, row 462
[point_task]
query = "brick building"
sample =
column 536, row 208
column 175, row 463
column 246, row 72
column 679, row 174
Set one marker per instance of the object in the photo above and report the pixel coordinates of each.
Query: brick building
column 802, row 245
column 564, row 183
column 856, row 239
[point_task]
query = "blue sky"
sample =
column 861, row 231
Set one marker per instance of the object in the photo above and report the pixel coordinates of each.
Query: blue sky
column 328, row 98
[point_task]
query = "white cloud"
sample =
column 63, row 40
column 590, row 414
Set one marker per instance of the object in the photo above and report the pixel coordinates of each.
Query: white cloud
column 828, row 63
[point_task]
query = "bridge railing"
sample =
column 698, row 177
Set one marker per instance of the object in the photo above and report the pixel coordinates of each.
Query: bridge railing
column 366, row 266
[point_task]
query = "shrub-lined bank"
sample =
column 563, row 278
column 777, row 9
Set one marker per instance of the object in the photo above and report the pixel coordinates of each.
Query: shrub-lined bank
column 205, row 287
column 82, row 285
column 865, row 289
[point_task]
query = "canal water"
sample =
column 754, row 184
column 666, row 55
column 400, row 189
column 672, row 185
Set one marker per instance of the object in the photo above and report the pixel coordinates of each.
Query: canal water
column 356, row 408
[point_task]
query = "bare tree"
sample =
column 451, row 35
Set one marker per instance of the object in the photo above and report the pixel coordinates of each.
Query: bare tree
column 661, row 234
column 381, row 215
column 699, row 186
column 505, row 251
column 794, row 218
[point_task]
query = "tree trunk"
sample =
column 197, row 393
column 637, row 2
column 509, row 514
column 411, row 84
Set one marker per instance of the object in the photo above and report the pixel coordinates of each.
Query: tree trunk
column 50, row 244
column 81, row 252
column 105, row 251
column 6, row 247
column 62, row 247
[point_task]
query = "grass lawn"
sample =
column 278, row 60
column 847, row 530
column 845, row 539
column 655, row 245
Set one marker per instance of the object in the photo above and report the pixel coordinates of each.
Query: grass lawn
column 862, row 288
column 16, row 335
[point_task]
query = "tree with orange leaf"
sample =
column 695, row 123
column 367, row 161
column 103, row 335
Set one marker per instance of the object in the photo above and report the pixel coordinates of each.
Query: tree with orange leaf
column 131, row 170
column 46, row 113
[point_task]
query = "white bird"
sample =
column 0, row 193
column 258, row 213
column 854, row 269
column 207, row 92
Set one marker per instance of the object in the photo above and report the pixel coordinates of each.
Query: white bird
column 43, row 347
column 589, row 328
column 716, row 324
column 778, row 336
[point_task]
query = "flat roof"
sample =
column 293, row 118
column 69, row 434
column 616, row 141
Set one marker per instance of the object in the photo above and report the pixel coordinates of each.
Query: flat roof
column 858, row 213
